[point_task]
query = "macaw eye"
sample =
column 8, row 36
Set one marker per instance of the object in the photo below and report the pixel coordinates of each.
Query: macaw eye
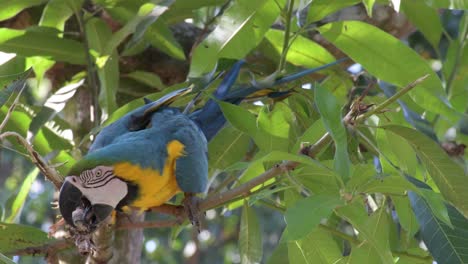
column 98, row 173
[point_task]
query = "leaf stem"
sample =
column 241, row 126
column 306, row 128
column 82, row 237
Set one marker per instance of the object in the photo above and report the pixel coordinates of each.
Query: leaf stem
column 392, row 99
column 286, row 35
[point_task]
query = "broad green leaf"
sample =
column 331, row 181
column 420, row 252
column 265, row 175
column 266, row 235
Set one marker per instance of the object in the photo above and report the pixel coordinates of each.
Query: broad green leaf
column 227, row 147
column 12, row 84
column 40, row 66
column 446, row 173
column 147, row 78
column 363, row 253
column 5, row 260
column 239, row 30
column 425, row 18
column 279, row 255
column 319, row 9
column 311, row 135
column 250, row 237
column 331, row 117
column 361, row 174
column 240, row 118
column 57, row 12
column 276, row 125
column 437, row 205
column 398, row 151
column 369, row 4
column 145, row 11
column 393, row 184
column 318, row 179
column 387, row 58
column 373, row 229
column 14, row 237
column 406, row 216
column 161, row 37
column 305, row 215
column 317, row 247
column 41, row 42
column 446, row 245
column 22, row 195
column 302, row 51
column 11, row 8
column 98, row 35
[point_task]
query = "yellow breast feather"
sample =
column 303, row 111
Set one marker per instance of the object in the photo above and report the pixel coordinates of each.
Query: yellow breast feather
column 154, row 189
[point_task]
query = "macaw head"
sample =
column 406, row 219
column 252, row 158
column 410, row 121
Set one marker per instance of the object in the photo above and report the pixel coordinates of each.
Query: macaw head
column 89, row 195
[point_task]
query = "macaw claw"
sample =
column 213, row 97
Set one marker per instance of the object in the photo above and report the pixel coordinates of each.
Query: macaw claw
column 192, row 210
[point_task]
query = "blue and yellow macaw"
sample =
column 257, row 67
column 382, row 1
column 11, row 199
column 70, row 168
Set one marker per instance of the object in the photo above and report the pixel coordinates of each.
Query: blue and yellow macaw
column 146, row 157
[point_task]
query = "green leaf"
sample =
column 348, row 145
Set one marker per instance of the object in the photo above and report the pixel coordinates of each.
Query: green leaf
column 387, row 58
column 305, row 215
column 425, row 18
column 147, row 21
column 239, row 30
column 331, row 117
column 363, row 253
column 186, row 8
column 319, row 9
column 446, row 245
column 4, row 259
column 98, row 33
column 239, row 117
column 161, row 37
column 302, row 51
column 406, row 216
column 57, row 12
column 147, row 78
column 11, row 8
column 317, row 247
column 22, row 195
column 446, row 173
column 144, row 12
column 369, row 4
column 227, row 147
column 437, row 205
column 318, row 179
column 393, row 184
column 40, row 41
column 276, row 125
column 373, row 229
column 250, row 237
column 11, row 84
column 14, row 237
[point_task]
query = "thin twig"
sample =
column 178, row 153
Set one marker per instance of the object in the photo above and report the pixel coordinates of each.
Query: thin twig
column 392, row 99
column 286, row 35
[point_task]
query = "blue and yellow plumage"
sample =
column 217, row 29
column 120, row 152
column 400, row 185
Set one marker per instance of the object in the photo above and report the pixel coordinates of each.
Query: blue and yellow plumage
column 146, row 157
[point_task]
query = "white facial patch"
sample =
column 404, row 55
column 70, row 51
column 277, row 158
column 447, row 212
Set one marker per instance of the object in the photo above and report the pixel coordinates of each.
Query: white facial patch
column 100, row 186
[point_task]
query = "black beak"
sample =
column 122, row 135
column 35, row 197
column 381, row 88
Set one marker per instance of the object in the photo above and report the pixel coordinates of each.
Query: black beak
column 69, row 201
column 77, row 210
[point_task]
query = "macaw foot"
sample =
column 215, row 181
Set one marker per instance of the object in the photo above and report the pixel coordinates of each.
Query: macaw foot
column 190, row 203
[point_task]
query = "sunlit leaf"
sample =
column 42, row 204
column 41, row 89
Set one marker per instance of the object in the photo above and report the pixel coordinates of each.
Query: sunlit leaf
column 446, row 173
column 425, row 18
column 250, row 237
column 41, row 42
column 240, row 29
column 22, row 195
column 389, row 59
column 14, row 237
column 317, row 247
column 306, row 214
column 331, row 117
column 11, row 8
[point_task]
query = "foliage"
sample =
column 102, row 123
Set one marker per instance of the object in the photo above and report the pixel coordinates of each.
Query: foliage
column 381, row 183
